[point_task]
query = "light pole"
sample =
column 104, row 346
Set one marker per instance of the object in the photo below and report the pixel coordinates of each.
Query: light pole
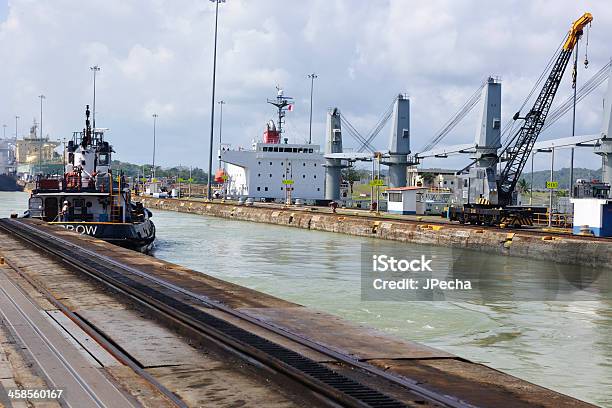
column 552, row 178
column 531, row 187
column 155, row 115
column 212, row 103
column 95, row 69
column 574, row 85
column 312, row 78
column 40, row 140
column 221, row 103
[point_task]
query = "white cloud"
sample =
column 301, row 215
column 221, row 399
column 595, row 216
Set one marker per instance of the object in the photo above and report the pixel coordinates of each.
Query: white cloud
column 156, row 56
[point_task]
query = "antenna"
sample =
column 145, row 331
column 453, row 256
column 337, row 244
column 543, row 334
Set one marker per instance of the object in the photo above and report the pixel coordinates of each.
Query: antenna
column 281, row 102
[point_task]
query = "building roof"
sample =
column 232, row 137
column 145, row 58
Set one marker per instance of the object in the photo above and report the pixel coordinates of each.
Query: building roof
column 408, row 188
column 433, row 170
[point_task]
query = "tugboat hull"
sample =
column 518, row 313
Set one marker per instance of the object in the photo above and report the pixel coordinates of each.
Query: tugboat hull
column 137, row 236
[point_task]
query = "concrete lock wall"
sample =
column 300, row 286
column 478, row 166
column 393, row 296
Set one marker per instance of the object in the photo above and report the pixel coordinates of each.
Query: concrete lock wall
column 568, row 250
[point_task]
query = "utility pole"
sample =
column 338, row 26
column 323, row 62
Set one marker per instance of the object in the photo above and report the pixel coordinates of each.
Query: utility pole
column 552, row 178
column 574, row 85
column 95, row 69
column 40, row 140
column 190, row 180
column 221, row 103
column 312, row 78
column 64, row 155
column 16, row 120
column 531, row 187
column 212, row 103
column 155, row 115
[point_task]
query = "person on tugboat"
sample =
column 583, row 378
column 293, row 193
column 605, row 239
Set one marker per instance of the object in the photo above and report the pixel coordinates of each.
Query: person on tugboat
column 65, row 213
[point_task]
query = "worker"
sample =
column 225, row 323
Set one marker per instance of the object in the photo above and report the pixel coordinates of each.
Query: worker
column 333, row 205
column 65, row 211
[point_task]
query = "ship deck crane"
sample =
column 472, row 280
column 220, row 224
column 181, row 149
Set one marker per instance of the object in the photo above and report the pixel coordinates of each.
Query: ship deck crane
column 521, row 144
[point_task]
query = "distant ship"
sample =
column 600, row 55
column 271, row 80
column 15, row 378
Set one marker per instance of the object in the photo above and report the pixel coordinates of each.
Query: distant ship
column 8, row 179
column 89, row 198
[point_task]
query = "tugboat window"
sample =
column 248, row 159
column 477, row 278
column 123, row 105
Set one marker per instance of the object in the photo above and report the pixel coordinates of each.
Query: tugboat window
column 103, row 159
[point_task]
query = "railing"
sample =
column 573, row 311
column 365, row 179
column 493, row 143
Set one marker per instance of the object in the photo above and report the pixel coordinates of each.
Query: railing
column 558, row 220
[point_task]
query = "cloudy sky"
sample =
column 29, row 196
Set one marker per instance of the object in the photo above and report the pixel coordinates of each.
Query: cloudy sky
column 156, row 57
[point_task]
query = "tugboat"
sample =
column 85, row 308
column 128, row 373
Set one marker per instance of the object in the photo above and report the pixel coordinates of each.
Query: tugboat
column 89, row 199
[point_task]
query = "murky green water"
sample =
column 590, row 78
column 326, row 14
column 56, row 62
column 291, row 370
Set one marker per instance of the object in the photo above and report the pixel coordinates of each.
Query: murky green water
column 566, row 346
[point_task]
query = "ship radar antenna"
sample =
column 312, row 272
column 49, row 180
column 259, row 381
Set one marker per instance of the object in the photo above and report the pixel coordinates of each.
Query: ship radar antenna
column 282, row 103
column 87, row 134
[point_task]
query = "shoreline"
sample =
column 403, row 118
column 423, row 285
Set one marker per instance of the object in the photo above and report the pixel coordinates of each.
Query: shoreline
column 590, row 252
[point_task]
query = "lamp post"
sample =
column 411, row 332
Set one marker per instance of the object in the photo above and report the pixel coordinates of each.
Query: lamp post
column 574, row 85
column 221, row 103
column 155, row 115
column 212, row 103
column 312, row 78
column 40, row 140
column 552, row 178
column 95, row 69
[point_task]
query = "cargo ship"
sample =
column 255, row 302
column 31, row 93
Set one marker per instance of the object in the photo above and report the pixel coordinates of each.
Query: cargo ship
column 89, row 198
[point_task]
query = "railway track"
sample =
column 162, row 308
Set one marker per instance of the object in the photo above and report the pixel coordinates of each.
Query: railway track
column 190, row 309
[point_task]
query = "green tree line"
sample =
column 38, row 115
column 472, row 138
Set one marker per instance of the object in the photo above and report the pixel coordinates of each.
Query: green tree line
column 135, row 170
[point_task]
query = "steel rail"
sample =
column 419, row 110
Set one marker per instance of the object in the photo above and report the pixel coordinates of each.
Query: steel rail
column 410, row 384
column 98, row 337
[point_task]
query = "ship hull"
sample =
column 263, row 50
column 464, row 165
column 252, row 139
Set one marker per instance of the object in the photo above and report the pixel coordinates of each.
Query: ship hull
column 9, row 183
column 137, row 236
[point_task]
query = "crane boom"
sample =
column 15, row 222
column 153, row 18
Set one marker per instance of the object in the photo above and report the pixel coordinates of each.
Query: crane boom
column 535, row 118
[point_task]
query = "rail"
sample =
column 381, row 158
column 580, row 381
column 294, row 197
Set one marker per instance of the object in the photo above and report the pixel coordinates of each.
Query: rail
column 558, row 220
column 186, row 307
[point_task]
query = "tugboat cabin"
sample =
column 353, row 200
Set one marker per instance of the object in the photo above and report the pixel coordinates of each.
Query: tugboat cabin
column 88, row 192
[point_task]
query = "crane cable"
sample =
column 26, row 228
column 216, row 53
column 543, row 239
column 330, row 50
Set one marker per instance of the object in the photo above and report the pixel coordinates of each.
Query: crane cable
column 508, row 135
column 379, row 125
column 455, row 119
column 589, row 86
column 355, row 134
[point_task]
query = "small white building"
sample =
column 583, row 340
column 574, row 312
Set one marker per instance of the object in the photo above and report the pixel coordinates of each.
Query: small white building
column 594, row 213
column 403, row 200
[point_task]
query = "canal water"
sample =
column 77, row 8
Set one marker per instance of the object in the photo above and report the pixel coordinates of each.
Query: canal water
column 563, row 345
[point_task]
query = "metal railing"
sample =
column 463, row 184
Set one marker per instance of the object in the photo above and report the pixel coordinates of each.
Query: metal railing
column 559, row 220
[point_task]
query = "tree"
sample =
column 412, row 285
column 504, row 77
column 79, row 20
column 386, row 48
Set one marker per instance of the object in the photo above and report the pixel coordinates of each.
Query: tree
column 428, row 178
column 351, row 175
column 523, row 186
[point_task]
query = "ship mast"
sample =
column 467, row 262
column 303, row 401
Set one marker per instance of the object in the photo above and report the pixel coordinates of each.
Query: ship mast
column 281, row 102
